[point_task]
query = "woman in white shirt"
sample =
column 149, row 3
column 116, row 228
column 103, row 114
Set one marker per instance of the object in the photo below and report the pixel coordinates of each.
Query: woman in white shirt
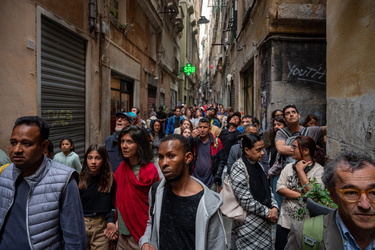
column 293, row 182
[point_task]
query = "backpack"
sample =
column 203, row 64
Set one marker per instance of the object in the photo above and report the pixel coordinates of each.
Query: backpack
column 312, row 233
column 285, row 159
column 282, row 160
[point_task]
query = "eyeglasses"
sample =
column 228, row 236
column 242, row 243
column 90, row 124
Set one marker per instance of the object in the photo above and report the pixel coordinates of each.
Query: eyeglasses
column 352, row 195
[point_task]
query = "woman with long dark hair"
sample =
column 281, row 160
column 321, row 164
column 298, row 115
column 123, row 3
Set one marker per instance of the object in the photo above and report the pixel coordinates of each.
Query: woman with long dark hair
column 97, row 190
column 294, row 180
column 254, row 195
column 134, row 178
column 156, row 134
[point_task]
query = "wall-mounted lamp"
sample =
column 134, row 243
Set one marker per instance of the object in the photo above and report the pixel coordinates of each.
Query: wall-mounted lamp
column 171, row 10
column 203, row 20
column 240, row 47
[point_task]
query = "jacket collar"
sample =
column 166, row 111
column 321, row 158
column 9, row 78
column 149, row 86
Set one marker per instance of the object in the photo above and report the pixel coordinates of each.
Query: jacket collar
column 212, row 200
column 332, row 237
column 39, row 174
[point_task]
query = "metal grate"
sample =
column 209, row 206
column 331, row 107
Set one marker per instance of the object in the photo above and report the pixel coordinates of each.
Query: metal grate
column 63, row 84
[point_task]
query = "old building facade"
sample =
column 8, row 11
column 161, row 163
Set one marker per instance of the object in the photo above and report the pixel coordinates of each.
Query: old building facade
column 303, row 52
column 77, row 62
column 268, row 54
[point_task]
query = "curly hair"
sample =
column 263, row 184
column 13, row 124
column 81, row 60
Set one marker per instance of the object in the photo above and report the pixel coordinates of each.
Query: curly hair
column 350, row 160
column 177, row 137
column 106, row 177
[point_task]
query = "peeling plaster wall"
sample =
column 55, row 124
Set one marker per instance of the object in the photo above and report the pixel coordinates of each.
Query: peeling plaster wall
column 293, row 71
column 351, row 124
column 283, row 40
column 350, row 78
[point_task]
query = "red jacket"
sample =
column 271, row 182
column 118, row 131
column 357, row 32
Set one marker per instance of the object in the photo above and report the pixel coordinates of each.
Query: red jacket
column 215, row 146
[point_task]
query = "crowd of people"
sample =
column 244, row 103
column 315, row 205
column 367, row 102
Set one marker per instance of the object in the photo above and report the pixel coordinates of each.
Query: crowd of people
column 155, row 184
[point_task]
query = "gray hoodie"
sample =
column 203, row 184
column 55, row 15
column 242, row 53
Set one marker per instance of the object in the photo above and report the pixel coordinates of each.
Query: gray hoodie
column 209, row 229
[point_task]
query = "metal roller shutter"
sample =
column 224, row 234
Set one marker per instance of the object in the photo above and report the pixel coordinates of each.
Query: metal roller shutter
column 63, row 84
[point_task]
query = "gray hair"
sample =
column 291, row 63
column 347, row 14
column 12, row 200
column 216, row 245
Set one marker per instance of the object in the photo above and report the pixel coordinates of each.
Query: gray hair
column 351, row 160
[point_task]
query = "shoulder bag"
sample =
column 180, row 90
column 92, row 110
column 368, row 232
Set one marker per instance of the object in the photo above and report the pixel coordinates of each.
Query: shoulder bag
column 231, row 208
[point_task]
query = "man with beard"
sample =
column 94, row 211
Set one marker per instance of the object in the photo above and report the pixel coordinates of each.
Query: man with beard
column 123, row 119
column 184, row 213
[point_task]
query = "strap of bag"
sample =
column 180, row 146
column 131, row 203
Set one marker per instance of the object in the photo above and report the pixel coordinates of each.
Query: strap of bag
column 286, row 132
column 304, row 131
column 312, row 234
column 3, row 167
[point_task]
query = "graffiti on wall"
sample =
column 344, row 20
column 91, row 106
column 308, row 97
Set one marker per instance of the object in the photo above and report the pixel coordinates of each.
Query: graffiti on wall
column 307, row 73
column 59, row 117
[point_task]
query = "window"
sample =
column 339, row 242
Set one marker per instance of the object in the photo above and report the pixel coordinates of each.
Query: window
column 113, row 9
column 117, row 10
column 121, row 97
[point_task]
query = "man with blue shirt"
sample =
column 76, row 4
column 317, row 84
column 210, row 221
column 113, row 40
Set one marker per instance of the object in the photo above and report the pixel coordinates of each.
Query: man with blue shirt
column 123, row 119
column 40, row 206
column 174, row 122
column 350, row 179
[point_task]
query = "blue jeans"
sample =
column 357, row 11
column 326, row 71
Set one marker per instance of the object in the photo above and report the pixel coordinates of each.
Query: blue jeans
column 278, row 198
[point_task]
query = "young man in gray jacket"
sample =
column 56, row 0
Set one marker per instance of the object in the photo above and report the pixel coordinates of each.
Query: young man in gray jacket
column 184, row 213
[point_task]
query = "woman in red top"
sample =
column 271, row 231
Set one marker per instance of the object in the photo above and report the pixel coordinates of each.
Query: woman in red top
column 134, row 178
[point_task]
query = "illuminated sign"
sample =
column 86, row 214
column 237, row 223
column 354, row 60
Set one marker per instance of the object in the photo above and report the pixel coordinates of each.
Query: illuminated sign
column 189, row 69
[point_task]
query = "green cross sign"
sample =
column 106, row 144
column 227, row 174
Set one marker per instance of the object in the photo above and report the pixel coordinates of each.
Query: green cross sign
column 188, row 69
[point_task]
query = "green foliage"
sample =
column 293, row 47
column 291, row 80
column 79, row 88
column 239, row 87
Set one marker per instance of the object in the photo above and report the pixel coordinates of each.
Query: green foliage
column 317, row 194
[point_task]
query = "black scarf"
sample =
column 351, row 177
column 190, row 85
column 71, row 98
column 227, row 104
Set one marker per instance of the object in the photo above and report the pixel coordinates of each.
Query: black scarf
column 259, row 187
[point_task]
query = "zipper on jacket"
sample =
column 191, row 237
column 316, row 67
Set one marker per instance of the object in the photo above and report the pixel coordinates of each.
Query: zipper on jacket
column 27, row 217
